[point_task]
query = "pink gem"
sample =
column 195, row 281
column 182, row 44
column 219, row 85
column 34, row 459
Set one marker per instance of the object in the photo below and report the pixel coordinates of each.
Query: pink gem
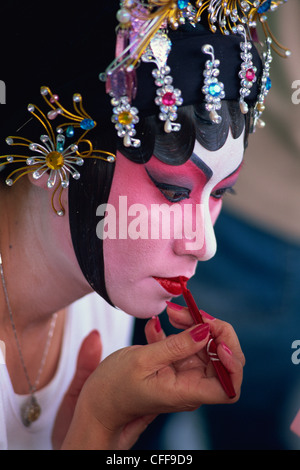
column 168, row 99
column 250, row 75
column 54, row 98
column 122, row 41
column 52, row 114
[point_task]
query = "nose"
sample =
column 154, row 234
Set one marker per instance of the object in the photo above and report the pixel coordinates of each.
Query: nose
column 197, row 235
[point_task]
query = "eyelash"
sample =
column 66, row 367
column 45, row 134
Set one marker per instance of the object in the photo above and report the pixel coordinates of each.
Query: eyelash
column 173, row 193
column 183, row 193
column 219, row 193
column 178, row 193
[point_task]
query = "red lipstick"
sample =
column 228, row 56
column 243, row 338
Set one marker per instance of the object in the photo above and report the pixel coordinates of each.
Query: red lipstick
column 171, row 284
column 220, row 369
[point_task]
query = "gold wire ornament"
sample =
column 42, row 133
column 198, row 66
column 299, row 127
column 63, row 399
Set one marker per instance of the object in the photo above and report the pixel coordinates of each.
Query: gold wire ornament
column 53, row 154
column 141, row 21
column 226, row 15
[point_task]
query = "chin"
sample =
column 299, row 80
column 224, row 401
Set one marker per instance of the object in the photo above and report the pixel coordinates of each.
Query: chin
column 142, row 309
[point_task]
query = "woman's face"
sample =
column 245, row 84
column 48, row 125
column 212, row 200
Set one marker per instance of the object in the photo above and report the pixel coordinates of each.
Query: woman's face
column 159, row 224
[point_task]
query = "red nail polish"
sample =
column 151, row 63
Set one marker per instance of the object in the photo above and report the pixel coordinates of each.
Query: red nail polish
column 157, row 324
column 226, row 348
column 206, row 315
column 200, row 332
column 174, row 306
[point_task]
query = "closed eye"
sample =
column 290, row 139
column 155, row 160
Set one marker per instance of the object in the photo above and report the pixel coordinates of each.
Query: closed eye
column 171, row 192
column 174, row 193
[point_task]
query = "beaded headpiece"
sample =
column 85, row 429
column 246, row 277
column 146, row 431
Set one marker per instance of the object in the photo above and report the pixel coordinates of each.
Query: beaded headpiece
column 61, row 149
column 143, row 35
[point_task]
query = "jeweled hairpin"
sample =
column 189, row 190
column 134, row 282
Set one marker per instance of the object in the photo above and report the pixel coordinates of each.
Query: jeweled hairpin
column 168, row 98
column 225, row 15
column 213, row 89
column 247, row 73
column 265, row 86
column 141, row 20
column 55, row 155
column 125, row 117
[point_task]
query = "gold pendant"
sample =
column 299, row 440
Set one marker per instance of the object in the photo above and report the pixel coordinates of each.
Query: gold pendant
column 30, row 411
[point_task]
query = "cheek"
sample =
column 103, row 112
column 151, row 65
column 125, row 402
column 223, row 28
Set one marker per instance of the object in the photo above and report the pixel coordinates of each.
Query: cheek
column 129, row 261
column 215, row 206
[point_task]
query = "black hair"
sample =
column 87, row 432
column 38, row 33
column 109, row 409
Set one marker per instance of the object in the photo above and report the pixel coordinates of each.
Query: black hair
column 175, row 148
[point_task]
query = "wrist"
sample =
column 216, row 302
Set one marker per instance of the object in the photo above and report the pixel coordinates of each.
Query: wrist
column 86, row 432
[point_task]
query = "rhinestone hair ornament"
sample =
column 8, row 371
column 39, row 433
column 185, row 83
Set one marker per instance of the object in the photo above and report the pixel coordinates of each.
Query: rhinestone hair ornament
column 142, row 36
column 61, row 149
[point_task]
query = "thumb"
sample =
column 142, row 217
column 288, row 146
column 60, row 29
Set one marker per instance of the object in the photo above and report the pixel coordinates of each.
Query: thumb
column 87, row 361
column 180, row 346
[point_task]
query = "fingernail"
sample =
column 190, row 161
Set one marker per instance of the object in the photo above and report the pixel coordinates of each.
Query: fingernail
column 174, row 306
column 200, row 332
column 206, row 315
column 157, row 325
column 226, row 348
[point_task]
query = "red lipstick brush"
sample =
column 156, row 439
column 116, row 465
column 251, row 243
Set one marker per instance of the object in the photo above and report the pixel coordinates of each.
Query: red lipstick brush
column 220, row 369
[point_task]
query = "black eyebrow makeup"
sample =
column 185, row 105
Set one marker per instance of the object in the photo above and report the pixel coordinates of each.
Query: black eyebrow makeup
column 202, row 166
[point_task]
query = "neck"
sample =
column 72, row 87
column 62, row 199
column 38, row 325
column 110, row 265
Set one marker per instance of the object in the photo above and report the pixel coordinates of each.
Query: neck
column 40, row 268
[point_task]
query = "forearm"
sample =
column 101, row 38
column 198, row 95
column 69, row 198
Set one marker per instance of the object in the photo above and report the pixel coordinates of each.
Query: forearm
column 87, row 433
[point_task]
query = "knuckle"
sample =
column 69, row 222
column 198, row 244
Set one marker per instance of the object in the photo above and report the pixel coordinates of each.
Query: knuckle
column 176, row 348
column 243, row 359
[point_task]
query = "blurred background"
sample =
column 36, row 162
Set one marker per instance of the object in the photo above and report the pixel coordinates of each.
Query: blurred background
column 253, row 282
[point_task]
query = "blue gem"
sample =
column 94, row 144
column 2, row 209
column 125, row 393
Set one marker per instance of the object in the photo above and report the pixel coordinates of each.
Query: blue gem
column 87, row 124
column 268, row 84
column 60, row 142
column 182, row 4
column 70, row 131
column 214, row 89
column 264, row 7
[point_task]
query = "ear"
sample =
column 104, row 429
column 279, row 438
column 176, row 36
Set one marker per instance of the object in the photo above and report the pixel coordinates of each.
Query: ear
column 56, row 196
column 39, row 182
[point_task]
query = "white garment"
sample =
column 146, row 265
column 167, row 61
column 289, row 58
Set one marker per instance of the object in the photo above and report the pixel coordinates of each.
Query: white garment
column 85, row 315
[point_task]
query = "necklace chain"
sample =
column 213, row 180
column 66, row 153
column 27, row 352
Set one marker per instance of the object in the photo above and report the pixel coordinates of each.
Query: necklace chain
column 32, row 411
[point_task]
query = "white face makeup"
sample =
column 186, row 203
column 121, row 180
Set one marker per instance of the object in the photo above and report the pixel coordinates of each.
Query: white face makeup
column 196, row 189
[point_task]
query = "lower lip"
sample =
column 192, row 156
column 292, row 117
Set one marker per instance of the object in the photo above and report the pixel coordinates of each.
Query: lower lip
column 171, row 284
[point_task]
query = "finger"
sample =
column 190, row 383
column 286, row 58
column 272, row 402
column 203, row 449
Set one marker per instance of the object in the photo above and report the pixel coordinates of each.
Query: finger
column 179, row 316
column 234, row 367
column 88, row 359
column 177, row 347
column 205, row 386
column 224, row 333
column 233, row 363
column 133, row 430
column 154, row 331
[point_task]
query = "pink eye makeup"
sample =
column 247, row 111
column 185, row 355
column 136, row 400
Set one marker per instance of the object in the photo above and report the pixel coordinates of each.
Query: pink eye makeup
column 165, row 245
column 173, row 193
column 226, row 185
column 219, row 193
